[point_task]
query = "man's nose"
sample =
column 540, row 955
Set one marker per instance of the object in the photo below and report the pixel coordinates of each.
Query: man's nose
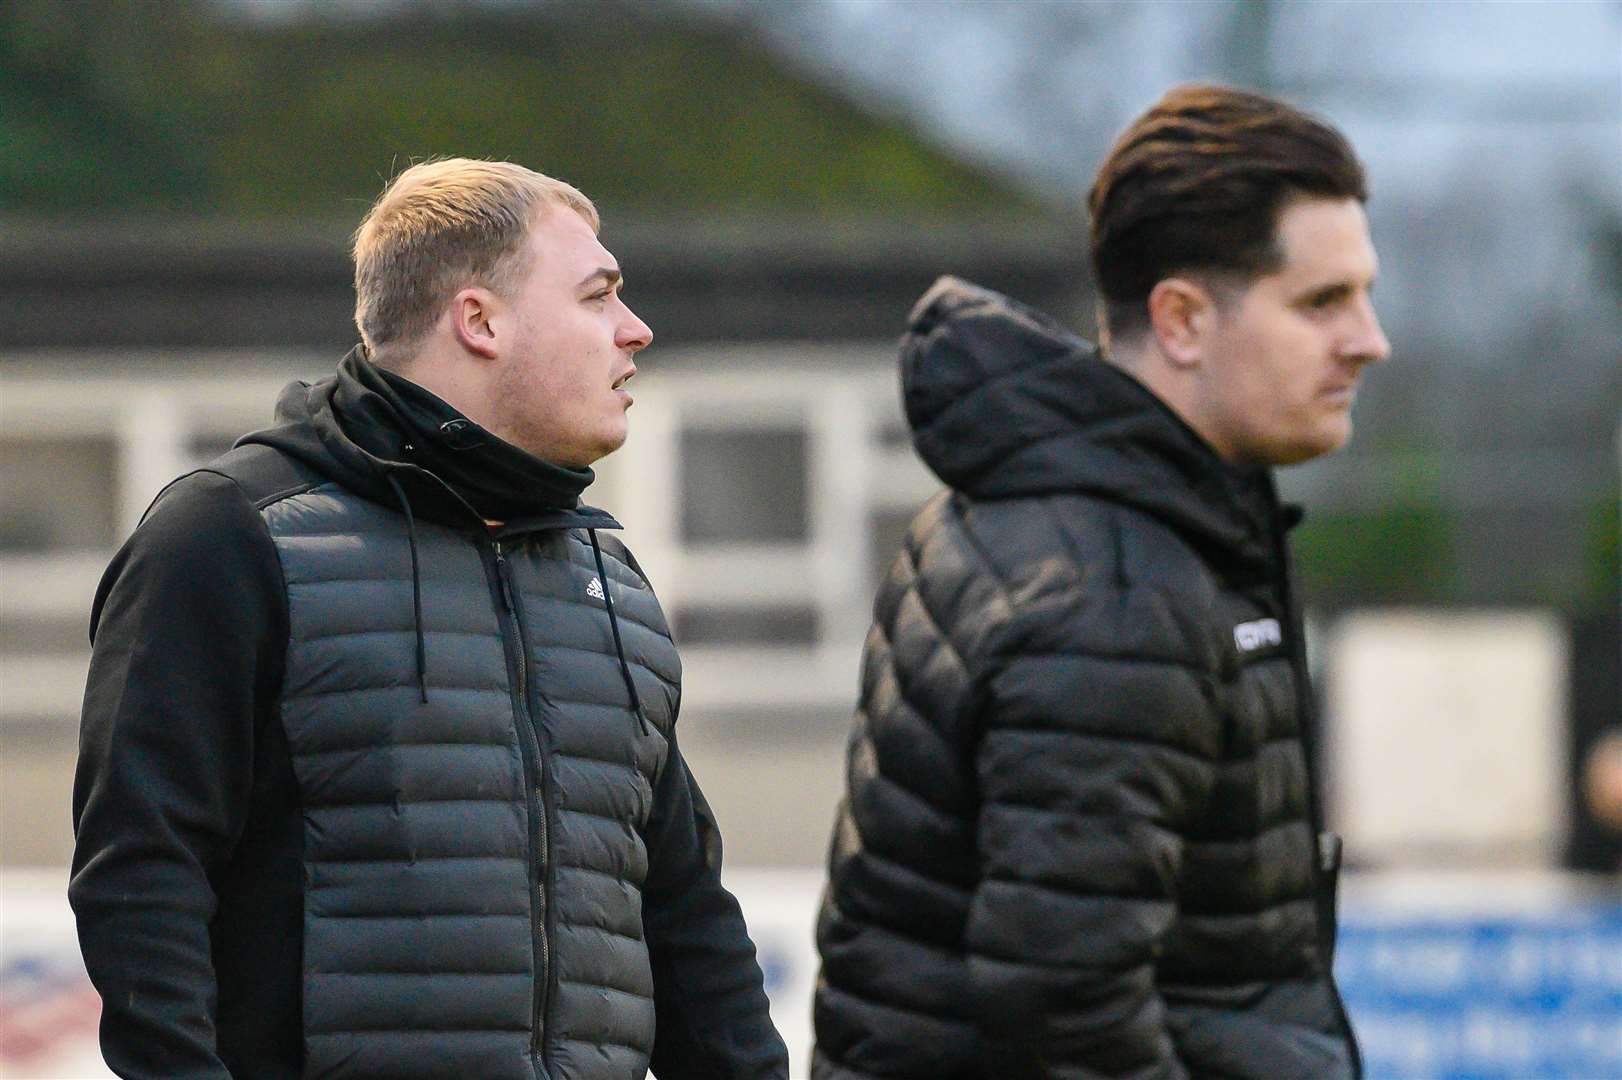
column 634, row 334
column 1367, row 343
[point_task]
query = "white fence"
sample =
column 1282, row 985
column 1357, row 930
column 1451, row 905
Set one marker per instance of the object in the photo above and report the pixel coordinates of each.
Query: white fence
column 1448, row 730
column 839, row 401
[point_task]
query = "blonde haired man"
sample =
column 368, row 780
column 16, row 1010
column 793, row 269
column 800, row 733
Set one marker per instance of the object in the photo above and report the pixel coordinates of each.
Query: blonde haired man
column 378, row 770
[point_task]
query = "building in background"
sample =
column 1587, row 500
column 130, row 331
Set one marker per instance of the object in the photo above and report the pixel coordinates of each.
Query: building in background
column 175, row 249
column 781, row 181
column 775, row 175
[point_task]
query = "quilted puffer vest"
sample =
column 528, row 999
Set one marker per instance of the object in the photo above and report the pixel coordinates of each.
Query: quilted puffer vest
column 473, row 855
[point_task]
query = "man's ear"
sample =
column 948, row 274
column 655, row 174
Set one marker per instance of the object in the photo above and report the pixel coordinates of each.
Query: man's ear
column 473, row 313
column 1181, row 314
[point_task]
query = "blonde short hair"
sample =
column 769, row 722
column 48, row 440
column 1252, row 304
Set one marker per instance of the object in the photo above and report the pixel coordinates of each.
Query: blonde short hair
column 438, row 227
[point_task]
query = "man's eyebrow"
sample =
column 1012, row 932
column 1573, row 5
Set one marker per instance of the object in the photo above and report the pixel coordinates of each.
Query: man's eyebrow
column 1334, row 288
column 607, row 274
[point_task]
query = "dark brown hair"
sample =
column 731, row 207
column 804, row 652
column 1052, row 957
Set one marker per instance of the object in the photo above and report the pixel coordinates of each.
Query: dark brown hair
column 1197, row 184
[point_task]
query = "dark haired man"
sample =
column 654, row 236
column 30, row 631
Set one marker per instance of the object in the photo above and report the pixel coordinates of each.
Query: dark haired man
column 1081, row 837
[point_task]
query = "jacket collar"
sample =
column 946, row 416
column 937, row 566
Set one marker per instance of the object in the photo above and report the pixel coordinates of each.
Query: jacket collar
column 364, row 426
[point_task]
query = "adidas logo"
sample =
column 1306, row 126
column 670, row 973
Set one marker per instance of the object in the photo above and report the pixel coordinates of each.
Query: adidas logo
column 595, row 589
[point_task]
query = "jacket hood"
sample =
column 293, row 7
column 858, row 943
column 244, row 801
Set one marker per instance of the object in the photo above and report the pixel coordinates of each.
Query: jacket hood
column 1004, row 401
column 373, row 431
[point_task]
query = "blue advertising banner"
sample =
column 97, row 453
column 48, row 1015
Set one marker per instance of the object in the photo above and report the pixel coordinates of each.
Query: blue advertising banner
column 1489, row 977
column 1534, row 995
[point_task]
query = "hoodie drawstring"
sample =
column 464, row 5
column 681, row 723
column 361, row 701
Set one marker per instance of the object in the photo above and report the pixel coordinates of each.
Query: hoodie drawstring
column 614, row 625
column 416, row 586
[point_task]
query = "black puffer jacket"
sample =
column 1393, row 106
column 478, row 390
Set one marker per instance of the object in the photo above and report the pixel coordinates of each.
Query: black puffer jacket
column 1080, row 838
column 368, row 787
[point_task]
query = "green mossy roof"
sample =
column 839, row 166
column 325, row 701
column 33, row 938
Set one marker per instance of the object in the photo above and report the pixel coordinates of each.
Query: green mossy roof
column 132, row 107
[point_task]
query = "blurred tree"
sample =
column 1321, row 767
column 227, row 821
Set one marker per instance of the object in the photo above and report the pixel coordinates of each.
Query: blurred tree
column 88, row 116
column 1400, row 553
column 129, row 106
column 1603, row 557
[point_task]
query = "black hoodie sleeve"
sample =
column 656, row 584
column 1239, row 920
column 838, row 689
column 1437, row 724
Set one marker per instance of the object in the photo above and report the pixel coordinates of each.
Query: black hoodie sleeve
column 189, row 638
column 709, row 999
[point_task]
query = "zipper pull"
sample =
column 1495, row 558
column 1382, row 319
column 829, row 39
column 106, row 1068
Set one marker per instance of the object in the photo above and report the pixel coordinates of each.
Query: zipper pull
column 1329, row 848
column 504, row 572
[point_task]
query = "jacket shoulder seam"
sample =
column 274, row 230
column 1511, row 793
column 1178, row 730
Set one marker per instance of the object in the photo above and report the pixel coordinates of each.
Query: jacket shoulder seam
column 257, row 504
column 285, row 493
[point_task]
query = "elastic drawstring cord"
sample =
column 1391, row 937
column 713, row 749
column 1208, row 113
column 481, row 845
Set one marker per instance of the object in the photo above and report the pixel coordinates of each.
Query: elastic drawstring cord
column 614, row 625
column 416, row 586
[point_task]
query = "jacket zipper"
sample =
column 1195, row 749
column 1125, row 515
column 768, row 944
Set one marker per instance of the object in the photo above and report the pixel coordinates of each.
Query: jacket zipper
column 1325, row 877
column 535, row 795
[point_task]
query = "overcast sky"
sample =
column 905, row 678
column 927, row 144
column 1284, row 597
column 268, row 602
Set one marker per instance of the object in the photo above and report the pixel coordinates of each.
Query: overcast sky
column 1492, row 131
column 1038, row 87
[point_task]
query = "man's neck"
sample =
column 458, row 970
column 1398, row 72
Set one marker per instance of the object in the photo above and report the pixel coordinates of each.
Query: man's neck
column 442, row 376
column 1175, row 389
